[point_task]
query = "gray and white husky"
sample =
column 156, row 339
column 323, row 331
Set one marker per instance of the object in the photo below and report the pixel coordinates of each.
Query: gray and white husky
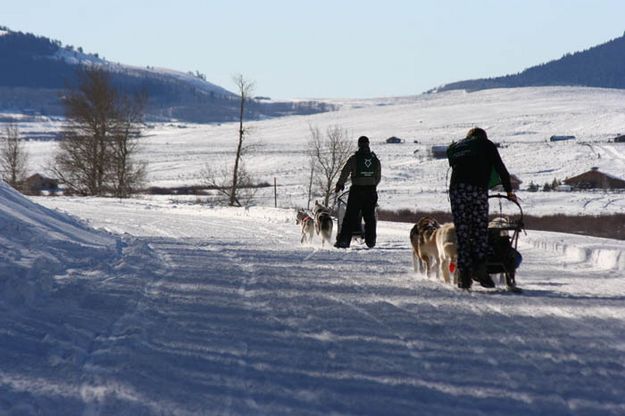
column 323, row 223
column 307, row 223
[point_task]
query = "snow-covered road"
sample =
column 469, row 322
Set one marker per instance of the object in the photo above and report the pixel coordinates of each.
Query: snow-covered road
column 221, row 311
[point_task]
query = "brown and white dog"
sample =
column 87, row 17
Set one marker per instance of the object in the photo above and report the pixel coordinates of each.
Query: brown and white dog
column 434, row 247
column 307, row 224
column 423, row 241
column 323, row 223
column 446, row 244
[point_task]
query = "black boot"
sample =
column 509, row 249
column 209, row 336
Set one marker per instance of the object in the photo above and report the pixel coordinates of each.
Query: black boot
column 464, row 279
column 341, row 244
column 482, row 276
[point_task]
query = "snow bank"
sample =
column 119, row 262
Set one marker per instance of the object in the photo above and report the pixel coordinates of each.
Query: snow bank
column 605, row 254
column 38, row 244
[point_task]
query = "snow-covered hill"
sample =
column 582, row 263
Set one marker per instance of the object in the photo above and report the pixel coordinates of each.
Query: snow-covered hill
column 35, row 71
column 522, row 120
column 188, row 310
column 77, row 57
column 598, row 66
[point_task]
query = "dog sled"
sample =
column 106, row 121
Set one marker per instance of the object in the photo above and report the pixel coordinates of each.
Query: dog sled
column 340, row 207
column 503, row 238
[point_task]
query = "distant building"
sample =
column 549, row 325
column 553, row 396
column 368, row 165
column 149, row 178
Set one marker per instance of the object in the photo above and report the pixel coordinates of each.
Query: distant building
column 561, row 138
column 564, row 188
column 35, row 184
column 394, row 139
column 619, row 139
column 594, row 179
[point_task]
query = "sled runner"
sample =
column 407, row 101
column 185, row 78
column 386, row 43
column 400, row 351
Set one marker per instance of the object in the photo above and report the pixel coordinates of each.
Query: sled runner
column 503, row 237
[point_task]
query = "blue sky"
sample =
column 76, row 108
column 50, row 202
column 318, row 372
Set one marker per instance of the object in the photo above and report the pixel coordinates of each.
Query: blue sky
column 323, row 48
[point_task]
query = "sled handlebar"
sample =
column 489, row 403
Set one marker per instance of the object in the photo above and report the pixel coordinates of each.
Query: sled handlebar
column 502, row 196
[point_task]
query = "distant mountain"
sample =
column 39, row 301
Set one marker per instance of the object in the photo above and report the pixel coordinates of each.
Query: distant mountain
column 601, row 66
column 36, row 71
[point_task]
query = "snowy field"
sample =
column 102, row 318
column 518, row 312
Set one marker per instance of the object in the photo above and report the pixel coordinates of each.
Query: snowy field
column 521, row 120
column 187, row 310
column 155, row 306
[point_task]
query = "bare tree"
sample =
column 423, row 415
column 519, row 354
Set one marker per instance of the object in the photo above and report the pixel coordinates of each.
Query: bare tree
column 220, row 180
column 128, row 174
column 245, row 89
column 328, row 154
column 96, row 154
column 13, row 156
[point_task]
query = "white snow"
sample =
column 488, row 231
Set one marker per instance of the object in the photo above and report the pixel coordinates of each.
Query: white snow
column 159, row 306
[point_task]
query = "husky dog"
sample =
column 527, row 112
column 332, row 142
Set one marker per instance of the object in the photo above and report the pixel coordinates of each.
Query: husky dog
column 423, row 241
column 323, row 223
column 447, row 251
column 308, row 226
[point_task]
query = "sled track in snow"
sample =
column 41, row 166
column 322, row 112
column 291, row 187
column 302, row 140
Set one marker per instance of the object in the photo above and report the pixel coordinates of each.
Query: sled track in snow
column 231, row 315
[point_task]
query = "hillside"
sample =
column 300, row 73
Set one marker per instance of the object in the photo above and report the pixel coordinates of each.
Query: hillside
column 520, row 119
column 601, row 66
column 35, row 71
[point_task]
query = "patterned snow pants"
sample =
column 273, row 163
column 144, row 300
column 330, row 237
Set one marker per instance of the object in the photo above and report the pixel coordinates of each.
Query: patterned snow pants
column 469, row 207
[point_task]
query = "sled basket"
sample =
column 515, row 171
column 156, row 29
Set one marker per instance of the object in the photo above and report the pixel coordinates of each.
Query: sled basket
column 503, row 237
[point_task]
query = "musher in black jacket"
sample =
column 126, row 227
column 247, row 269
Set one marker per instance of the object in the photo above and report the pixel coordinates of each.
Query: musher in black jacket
column 365, row 171
column 468, row 192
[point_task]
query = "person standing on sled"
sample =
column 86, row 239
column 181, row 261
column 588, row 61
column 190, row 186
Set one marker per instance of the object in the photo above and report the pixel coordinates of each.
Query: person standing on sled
column 473, row 161
column 365, row 171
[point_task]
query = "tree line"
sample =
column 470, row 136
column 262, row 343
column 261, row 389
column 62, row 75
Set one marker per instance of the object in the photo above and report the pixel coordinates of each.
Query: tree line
column 600, row 66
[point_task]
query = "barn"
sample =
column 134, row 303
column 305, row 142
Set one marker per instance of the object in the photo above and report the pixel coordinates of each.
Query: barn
column 35, row 184
column 594, row 179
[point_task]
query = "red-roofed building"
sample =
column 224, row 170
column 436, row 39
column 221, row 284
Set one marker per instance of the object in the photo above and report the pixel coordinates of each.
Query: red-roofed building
column 594, row 179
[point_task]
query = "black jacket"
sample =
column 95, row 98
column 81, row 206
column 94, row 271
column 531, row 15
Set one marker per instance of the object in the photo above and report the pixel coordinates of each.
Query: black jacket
column 476, row 168
column 351, row 169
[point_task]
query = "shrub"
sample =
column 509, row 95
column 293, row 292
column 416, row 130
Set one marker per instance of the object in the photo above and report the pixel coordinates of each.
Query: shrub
column 606, row 226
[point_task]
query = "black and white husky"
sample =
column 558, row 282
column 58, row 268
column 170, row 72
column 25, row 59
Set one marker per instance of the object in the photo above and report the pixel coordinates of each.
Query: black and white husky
column 307, row 223
column 323, row 223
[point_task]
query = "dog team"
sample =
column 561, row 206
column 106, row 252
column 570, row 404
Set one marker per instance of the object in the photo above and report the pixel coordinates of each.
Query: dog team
column 320, row 222
column 433, row 244
column 455, row 251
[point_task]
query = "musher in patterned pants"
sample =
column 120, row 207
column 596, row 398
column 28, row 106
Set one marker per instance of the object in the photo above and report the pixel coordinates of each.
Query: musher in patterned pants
column 473, row 161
